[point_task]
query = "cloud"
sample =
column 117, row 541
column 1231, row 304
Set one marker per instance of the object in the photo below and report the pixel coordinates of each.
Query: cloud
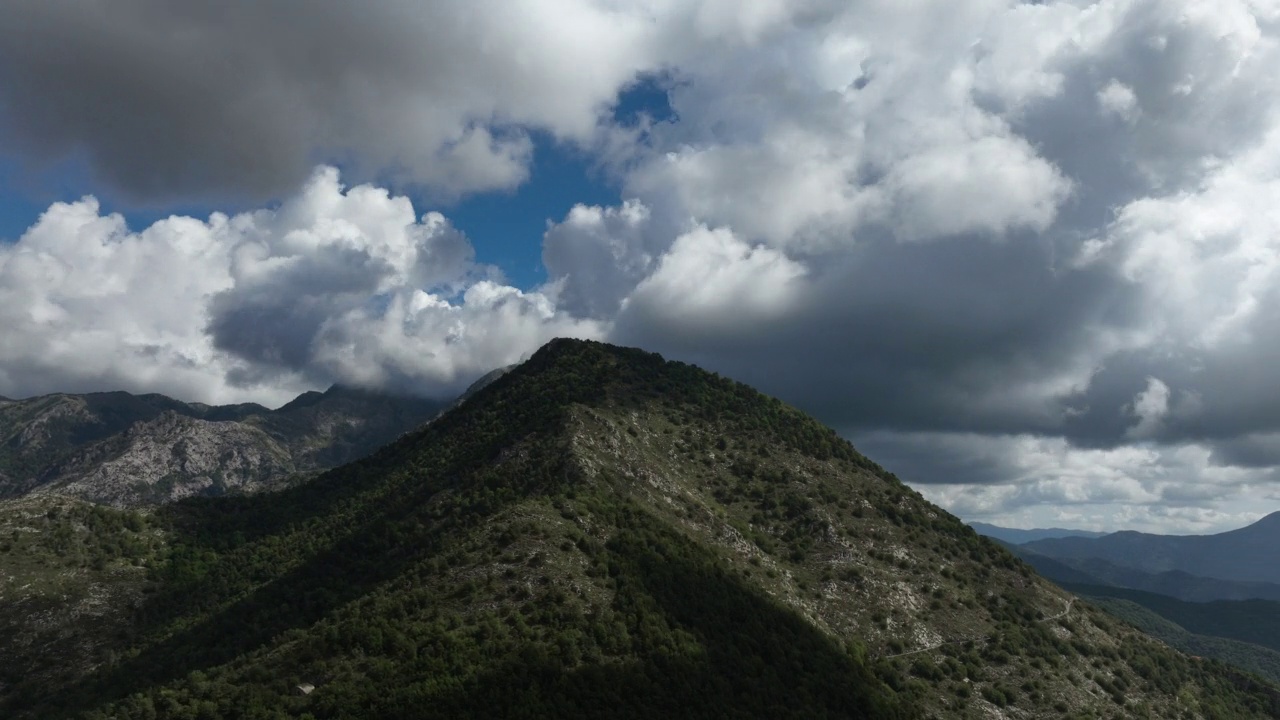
column 723, row 287
column 1005, row 235
column 1029, row 481
column 426, row 343
column 86, row 304
column 598, row 256
column 206, row 99
column 1118, row 99
column 994, row 185
column 1026, row 246
column 334, row 285
column 1150, row 408
column 320, row 255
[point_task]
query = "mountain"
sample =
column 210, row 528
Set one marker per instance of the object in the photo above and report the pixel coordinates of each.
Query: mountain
column 1252, row 621
column 1174, row 583
column 1058, row 571
column 1243, row 634
column 133, row 450
column 1245, row 555
column 1263, row 662
column 485, row 381
column 596, row 533
column 1016, row 536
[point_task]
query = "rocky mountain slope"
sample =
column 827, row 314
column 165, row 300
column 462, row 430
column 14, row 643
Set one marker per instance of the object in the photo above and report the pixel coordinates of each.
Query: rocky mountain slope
column 597, row 533
column 133, row 450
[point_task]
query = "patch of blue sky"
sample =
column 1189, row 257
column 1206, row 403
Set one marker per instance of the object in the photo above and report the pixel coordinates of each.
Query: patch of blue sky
column 26, row 193
column 506, row 228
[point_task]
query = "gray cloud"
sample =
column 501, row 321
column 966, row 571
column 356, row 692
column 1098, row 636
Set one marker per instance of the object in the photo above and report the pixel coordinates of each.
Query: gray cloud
column 212, row 99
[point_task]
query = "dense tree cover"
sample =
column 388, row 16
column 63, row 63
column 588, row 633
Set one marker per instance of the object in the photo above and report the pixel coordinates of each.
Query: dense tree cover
column 1256, row 659
column 1252, row 621
column 512, row 559
column 66, row 534
column 65, row 567
column 684, row 638
column 354, row 572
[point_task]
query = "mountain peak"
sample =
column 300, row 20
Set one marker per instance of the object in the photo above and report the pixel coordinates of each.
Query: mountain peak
column 1267, row 524
column 571, row 345
column 1270, row 520
column 600, row 529
column 576, row 351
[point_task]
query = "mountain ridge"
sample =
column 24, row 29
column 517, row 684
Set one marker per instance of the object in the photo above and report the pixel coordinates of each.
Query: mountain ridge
column 599, row 532
column 1172, row 583
column 1019, row 536
column 136, row 450
column 1242, row 555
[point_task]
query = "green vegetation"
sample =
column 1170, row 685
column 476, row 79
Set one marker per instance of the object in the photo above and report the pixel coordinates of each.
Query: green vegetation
column 602, row 533
column 1252, row 621
column 69, row 572
column 1261, row 661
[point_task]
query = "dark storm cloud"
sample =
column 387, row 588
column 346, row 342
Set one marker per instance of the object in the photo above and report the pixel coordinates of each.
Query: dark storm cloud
column 965, row 335
column 982, row 324
column 239, row 100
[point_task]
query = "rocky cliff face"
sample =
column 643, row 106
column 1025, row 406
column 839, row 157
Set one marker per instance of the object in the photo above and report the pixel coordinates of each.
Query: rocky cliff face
column 128, row 450
column 172, row 457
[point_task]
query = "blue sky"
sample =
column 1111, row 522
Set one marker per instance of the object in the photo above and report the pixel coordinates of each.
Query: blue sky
column 505, row 227
column 25, row 194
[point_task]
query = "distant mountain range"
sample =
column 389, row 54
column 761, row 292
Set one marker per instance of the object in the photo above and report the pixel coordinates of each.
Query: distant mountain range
column 1018, row 537
column 1235, row 565
column 1174, row 583
column 134, row 450
column 1211, row 595
column 1234, row 621
column 1248, row 554
column 1252, row 621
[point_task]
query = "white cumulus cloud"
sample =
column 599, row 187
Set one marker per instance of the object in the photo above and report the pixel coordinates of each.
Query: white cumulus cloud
column 334, row 285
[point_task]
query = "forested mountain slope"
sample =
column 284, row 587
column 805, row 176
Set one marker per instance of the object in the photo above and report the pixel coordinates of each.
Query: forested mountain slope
column 600, row 533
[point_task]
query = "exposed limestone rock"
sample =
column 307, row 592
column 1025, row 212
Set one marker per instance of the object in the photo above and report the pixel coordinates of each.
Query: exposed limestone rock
column 134, row 450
